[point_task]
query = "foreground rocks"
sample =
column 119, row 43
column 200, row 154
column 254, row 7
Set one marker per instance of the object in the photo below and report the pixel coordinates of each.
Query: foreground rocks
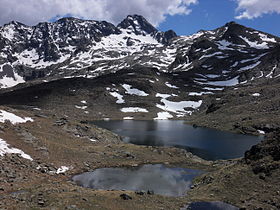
column 249, row 183
column 54, row 141
column 264, row 158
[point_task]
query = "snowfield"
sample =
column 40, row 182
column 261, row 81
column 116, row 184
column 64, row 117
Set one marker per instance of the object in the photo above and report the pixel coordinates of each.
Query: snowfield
column 177, row 107
column 5, row 148
column 133, row 91
column 7, row 82
column 163, row 116
column 14, row 119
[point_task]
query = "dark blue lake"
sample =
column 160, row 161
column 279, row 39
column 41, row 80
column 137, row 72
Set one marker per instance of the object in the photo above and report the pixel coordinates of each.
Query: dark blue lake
column 209, row 144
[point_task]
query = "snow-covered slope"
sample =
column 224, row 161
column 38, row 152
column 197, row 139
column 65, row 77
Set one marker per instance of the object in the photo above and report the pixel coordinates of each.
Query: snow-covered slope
column 72, row 47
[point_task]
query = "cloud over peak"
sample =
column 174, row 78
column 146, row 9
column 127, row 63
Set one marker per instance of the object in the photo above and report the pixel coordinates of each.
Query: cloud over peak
column 256, row 8
column 31, row 12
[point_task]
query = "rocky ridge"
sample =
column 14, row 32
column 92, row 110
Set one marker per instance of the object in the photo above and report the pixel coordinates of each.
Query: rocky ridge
column 72, row 47
column 184, row 70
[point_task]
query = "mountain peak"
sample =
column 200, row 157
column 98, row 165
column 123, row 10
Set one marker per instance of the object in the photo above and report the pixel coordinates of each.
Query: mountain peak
column 67, row 19
column 15, row 23
column 231, row 23
column 137, row 24
column 136, row 17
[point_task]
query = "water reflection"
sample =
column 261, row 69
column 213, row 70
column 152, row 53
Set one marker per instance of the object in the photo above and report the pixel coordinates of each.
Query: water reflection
column 158, row 178
column 207, row 143
column 217, row 205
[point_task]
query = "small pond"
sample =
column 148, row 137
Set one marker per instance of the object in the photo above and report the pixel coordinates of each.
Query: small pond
column 209, row 144
column 216, row 205
column 158, row 178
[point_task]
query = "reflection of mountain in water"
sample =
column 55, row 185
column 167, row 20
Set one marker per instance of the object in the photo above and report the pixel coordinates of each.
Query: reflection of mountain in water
column 206, row 143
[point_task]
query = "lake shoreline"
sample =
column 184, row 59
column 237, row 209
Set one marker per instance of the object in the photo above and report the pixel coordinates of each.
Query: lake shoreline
column 53, row 142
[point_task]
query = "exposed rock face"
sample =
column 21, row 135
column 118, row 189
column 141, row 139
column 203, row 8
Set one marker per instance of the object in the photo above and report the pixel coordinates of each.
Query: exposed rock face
column 265, row 157
column 32, row 51
column 138, row 25
column 269, row 147
column 71, row 47
column 176, row 72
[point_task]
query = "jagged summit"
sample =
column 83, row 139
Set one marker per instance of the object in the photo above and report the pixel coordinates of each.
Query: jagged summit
column 137, row 24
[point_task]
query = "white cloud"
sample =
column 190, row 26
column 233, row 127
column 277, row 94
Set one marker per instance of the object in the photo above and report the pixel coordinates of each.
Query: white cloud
column 33, row 11
column 255, row 8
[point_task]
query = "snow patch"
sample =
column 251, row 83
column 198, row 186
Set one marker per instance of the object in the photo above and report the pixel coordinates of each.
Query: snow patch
column 224, row 45
column 80, row 107
column 62, row 169
column 256, row 94
column 210, row 55
column 265, row 38
column 270, row 75
column 210, row 88
column 7, row 82
column 177, row 107
column 133, row 109
column 249, row 67
column 232, row 82
column 255, row 44
column 128, row 118
column 200, row 93
column 160, row 95
column 118, row 96
column 163, row 116
column 14, row 119
column 8, row 32
column 5, row 148
column 133, row 91
column 261, row 132
column 171, row 86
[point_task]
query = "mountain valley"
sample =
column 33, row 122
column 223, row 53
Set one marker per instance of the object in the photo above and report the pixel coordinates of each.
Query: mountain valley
column 56, row 78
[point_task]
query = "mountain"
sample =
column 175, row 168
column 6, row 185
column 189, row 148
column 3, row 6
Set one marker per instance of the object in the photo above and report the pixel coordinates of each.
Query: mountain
column 131, row 65
column 52, row 49
column 57, row 78
column 72, row 47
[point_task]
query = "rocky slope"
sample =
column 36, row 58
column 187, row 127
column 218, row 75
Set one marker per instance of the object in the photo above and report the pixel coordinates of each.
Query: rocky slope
column 248, row 108
column 40, row 153
column 71, row 45
column 182, row 70
column 55, row 77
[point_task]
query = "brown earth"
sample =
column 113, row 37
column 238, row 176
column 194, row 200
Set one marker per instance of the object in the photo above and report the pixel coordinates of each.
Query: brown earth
column 54, row 142
column 60, row 136
column 238, row 110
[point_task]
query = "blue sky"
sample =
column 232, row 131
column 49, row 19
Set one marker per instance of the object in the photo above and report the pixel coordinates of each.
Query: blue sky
column 211, row 14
